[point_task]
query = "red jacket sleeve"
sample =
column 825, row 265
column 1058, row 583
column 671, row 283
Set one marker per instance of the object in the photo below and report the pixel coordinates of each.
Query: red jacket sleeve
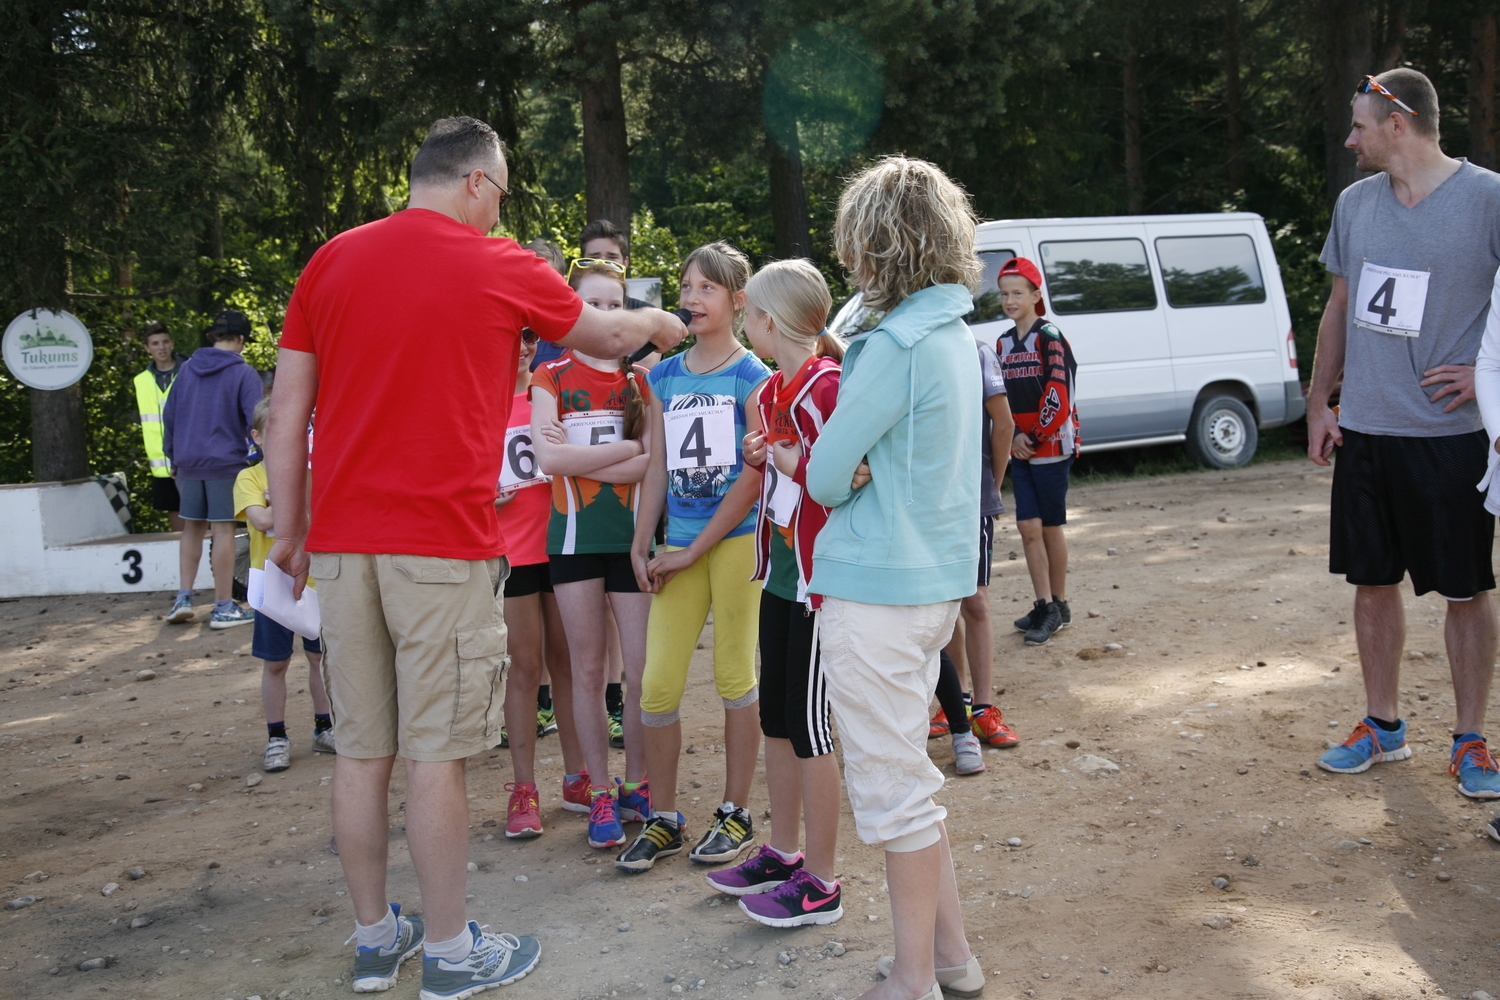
column 1056, row 405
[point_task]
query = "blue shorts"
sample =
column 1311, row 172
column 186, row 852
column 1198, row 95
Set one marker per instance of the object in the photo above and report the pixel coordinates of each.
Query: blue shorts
column 1041, row 491
column 206, row 499
column 273, row 641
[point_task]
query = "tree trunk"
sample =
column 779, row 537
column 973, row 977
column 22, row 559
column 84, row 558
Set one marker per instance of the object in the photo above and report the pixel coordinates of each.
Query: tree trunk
column 1234, row 100
column 788, row 200
column 1135, row 176
column 1395, row 35
column 606, row 152
column 1482, row 59
column 58, row 446
column 1346, row 54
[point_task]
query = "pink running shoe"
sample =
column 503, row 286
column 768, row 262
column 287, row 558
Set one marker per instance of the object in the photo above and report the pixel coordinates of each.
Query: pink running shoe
column 576, row 793
column 524, row 816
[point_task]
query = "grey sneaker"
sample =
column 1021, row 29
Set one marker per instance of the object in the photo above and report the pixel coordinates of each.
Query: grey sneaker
column 375, row 968
column 236, row 615
column 182, row 610
column 968, row 758
column 1041, row 633
column 1066, row 613
column 1032, row 618
column 323, row 742
column 494, row 960
column 278, row 755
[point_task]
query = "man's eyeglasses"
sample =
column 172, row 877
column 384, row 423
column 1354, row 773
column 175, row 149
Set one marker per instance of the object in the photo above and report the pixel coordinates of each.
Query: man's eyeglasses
column 583, row 263
column 1372, row 86
column 504, row 194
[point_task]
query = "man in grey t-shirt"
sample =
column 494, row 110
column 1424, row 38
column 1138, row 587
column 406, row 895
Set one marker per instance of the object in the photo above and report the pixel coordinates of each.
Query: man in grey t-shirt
column 1413, row 251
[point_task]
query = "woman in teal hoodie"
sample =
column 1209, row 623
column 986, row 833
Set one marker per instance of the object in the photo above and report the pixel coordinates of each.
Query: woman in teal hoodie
column 899, row 549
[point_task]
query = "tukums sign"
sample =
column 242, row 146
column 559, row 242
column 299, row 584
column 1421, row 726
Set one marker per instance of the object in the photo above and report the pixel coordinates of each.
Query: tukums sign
column 46, row 349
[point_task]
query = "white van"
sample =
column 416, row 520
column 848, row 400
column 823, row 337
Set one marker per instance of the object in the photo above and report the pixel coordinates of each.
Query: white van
column 1179, row 324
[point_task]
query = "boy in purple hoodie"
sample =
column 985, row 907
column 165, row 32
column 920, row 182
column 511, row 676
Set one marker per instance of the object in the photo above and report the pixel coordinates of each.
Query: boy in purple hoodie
column 206, row 423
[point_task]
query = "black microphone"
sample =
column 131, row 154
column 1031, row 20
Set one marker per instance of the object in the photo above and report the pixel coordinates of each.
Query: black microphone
column 648, row 347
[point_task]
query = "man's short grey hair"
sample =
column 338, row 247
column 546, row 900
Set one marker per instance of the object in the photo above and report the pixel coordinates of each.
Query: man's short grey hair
column 453, row 148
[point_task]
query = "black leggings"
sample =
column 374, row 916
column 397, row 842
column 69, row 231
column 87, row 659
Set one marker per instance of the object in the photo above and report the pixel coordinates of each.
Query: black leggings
column 950, row 694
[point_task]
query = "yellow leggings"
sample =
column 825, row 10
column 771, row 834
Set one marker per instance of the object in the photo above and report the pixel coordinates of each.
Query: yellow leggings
column 720, row 579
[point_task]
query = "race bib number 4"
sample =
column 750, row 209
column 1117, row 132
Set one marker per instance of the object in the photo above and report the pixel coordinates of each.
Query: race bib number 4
column 782, row 495
column 1391, row 301
column 700, row 436
column 593, row 428
column 520, row 460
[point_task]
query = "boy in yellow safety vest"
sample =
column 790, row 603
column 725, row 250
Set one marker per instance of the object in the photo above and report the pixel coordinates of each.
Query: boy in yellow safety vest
column 151, row 389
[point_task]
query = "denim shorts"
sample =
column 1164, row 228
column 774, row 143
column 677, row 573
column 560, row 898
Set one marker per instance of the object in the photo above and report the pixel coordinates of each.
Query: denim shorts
column 1041, row 491
column 273, row 640
column 206, row 499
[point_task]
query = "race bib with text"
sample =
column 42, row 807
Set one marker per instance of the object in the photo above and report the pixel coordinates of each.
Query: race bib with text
column 520, row 468
column 587, row 428
column 1390, row 300
column 700, row 437
column 782, row 495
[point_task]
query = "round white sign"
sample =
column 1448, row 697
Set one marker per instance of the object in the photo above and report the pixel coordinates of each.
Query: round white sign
column 46, row 349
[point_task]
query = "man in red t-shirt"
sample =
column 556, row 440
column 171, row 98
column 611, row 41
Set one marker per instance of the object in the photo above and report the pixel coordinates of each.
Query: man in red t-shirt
column 404, row 334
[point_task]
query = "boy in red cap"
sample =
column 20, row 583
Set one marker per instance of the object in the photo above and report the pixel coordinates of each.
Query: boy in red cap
column 1039, row 373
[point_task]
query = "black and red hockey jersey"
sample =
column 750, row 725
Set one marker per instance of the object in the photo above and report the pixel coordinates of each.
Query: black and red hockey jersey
column 1039, row 375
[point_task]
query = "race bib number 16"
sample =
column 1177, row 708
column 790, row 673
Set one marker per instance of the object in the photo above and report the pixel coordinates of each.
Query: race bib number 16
column 700, row 436
column 1391, row 301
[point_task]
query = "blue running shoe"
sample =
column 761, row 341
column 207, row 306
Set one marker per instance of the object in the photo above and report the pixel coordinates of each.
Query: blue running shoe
column 604, row 820
column 495, row 960
column 1474, row 766
column 375, row 968
column 635, row 803
column 1367, row 745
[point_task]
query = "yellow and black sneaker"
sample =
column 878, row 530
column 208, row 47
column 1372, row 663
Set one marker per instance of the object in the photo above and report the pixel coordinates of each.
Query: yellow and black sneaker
column 658, row 839
column 730, row 834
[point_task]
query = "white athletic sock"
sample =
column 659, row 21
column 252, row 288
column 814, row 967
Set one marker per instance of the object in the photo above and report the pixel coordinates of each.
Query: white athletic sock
column 377, row 935
column 788, row 858
column 453, row 950
column 728, row 806
column 826, row 886
column 669, row 817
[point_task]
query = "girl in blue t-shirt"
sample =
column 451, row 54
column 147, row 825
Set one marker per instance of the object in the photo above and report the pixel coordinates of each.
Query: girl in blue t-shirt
column 709, row 495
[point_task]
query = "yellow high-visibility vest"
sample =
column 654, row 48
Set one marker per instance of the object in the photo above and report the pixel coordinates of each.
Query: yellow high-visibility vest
column 150, row 400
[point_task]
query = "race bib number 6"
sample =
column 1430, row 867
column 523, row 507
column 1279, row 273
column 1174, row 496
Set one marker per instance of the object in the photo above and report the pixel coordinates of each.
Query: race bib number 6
column 520, row 460
column 700, row 436
column 1391, row 301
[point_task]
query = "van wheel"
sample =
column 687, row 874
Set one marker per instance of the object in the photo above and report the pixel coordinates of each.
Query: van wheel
column 1222, row 433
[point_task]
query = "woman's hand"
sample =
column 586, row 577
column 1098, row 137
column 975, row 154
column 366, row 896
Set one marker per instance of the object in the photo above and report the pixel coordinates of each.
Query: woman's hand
column 861, row 476
column 667, row 565
column 786, row 455
column 1022, row 447
column 753, row 447
column 554, row 432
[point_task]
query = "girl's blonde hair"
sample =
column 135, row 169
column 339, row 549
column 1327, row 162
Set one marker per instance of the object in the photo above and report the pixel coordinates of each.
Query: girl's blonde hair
column 635, row 403
column 261, row 414
column 723, row 265
column 904, row 225
column 795, row 295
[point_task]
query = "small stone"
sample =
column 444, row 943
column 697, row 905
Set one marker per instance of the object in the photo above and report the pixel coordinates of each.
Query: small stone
column 145, row 675
column 1161, row 968
column 1111, row 647
column 130, row 905
column 1104, row 969
column 137, row 873
column 676, row 987
column 790, row 984
column 139, row 922
column 1223, row 519
column 1251, row 862
column 604, row 950
column 784, row 958
column 1305, row 773
column 1365, row 840
column 1444, row 877
column 1221, row 882
column 836, row 949
column 1013, row 842
column 669, row 978
column 1046, row 975
column 213, row 864
column 1246, row 666
column 21, row 902
column 91, row 964
column 1111, row 552
column 1242, row 770
column 1291, row 552
column 473, row 867
column 109, row 888
column 622, row 928
column 1072, row 744
column 320, row 921
column 873, row 918
column 522, row 878
column 122, row 776
column 196, row 786
column 1093, row 614
column 253, row 780
column 1217, row 922
column 1480, row 995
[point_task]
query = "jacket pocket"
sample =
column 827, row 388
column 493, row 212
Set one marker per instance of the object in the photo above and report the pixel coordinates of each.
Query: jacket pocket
column 479, row 706
column 323, row 565
column 431, row 569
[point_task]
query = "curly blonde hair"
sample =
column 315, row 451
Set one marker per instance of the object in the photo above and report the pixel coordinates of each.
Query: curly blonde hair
column 904, row 225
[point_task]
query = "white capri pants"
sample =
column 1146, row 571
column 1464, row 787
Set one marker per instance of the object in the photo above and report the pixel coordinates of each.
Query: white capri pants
column 881, row 666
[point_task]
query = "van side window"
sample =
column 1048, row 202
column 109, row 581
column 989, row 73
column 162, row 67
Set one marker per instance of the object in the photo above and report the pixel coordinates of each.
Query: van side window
column 1085, row 276
column 1210, row 270
column 987, row 299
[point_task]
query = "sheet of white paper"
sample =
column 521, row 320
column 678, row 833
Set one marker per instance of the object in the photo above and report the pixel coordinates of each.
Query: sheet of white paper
column 270, row 594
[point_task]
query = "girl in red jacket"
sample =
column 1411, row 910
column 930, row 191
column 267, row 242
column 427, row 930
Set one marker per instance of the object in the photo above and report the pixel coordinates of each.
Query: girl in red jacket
column 787, row 305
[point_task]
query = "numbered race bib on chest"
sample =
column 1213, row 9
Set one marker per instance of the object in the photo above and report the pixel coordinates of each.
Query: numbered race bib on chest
column 782, row 495
column 594, row 428
column 1389, row 300
column 700, row 436
column 520, row 460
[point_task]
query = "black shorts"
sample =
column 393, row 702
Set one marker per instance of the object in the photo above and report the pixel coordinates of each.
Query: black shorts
column 527, row 580
column 986, row 547
column 793, row 693
column 614, row 567
column 1041, row 490
column 164, row 494
column 1408, row 505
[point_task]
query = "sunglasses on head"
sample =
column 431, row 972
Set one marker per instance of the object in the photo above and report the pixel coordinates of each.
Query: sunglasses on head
column 586, row 262
column 1372, row 86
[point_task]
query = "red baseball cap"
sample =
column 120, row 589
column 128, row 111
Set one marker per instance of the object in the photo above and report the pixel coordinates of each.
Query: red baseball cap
column 1024, row 268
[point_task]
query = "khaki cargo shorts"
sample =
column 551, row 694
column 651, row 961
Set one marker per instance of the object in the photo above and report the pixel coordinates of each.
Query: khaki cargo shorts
column 413, row 653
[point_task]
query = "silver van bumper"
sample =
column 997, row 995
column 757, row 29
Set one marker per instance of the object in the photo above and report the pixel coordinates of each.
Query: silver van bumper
column 1296, row 406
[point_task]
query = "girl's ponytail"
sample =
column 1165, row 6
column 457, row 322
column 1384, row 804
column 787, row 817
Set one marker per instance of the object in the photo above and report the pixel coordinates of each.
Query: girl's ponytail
column 635, row 403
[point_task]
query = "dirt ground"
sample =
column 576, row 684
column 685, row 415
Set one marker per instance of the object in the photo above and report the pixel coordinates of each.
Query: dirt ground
column 1237, row 664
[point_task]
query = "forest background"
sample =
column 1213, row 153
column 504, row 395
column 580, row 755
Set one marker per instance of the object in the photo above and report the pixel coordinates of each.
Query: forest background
column 165, row 160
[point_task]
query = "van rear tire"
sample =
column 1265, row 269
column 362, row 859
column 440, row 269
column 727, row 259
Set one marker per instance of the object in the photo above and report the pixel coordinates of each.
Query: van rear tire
column 1222, row 433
